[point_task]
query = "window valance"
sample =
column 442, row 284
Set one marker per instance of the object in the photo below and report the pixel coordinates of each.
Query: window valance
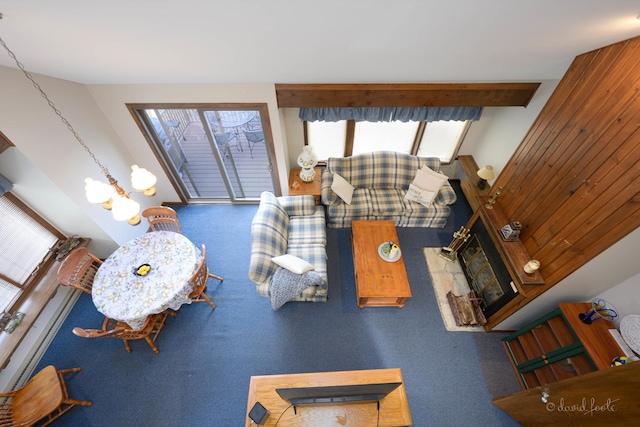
column 402, row 114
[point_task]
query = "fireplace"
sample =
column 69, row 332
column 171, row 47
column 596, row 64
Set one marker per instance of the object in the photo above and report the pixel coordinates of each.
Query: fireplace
column 485, row 270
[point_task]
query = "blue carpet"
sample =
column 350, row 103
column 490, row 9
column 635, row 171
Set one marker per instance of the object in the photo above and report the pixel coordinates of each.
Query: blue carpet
column 201, row 376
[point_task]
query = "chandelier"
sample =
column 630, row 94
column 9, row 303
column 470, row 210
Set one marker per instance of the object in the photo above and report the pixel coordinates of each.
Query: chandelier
column 111, row 195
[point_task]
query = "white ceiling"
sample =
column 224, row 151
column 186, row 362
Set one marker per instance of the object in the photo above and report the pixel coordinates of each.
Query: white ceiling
column 309, row 41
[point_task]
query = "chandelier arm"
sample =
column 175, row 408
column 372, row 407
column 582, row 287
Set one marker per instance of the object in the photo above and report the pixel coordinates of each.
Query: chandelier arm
column 28, row 75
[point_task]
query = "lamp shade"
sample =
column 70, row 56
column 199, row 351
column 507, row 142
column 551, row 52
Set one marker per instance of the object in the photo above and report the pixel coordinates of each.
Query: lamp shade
column 124, row 208
column 307, row 158
column 486, row 173
column 143, row 180
column 97, row 191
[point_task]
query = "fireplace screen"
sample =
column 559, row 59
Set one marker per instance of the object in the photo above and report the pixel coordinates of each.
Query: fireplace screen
column 483, row 279
column 485, row 270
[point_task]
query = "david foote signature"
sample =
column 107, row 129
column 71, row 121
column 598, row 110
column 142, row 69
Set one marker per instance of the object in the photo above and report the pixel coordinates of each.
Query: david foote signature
column 587, row 406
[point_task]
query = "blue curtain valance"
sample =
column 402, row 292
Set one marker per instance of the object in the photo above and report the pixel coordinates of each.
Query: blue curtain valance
column 401, row 114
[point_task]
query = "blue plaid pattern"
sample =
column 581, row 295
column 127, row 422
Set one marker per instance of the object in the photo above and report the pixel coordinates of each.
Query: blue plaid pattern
column 298, row 205
column 381, row 180
column 304, row 230
column 386, row 201
column 290, row 224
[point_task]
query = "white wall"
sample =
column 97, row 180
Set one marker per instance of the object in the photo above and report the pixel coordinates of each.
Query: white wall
column 39, row 135
column 612, row 275
column 625, row 297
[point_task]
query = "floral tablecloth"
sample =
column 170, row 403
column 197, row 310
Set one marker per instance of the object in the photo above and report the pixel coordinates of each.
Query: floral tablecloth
column 120, row 294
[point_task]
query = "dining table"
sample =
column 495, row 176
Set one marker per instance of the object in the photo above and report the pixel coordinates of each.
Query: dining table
column 233, row 120
column 122, row 291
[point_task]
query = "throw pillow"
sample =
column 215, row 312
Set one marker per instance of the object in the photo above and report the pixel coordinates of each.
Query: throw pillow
column 342, row 188
column 415, row 194
column 428, row 179
column 293, row 263
column 429, row 182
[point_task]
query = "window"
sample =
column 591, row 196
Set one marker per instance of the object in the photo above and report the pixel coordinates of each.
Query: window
column 25, row 240
column 440, row 139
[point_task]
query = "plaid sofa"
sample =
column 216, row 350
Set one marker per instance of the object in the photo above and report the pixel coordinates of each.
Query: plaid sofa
column 293, row 225
column 381, row 180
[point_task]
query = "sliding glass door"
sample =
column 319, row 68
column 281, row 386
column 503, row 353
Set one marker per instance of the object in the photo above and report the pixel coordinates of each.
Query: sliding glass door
column 212, row 154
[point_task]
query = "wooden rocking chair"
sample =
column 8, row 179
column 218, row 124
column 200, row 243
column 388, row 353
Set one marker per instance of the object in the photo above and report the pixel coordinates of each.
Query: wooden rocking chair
column 79, row 269
column 199, row 281
column 115, row 329
column 162, row 218
column 43, row 398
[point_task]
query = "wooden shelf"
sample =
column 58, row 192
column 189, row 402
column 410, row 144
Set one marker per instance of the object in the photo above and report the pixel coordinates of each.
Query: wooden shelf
column 469, row 186
column 595, row 338
column 514, row 254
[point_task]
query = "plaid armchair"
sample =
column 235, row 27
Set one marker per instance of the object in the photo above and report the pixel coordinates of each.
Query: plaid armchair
column 381, row 180
column 288, row 225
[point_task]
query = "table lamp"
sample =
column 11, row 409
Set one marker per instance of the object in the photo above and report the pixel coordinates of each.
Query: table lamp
column 307, row 160
column 485, row 174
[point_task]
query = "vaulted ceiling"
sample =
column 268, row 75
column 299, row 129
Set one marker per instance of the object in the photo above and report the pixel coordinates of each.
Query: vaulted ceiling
column 299, row 41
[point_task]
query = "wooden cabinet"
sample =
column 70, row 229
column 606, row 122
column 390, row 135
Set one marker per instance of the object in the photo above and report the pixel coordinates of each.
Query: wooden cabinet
column 558, row 346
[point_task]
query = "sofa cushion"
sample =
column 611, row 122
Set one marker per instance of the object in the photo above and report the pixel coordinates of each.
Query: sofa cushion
column 316, row 254
column 386, row 201
column 293, row 263
column 360, row 205
column 342, row 188
column 308, row 229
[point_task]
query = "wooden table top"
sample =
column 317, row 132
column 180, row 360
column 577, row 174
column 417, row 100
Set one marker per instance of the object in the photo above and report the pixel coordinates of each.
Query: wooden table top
column 376, row 277
column 595, row 338
column 394, row 409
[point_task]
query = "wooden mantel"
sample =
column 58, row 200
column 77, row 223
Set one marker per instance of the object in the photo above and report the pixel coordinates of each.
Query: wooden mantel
column 405, row 95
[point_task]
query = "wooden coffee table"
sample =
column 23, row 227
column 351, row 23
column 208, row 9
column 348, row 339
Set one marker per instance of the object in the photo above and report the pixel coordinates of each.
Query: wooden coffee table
column 394, row 409
column 379, row 283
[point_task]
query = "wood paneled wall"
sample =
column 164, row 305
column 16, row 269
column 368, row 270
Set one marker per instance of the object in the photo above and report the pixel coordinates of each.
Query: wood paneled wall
column 573, row 182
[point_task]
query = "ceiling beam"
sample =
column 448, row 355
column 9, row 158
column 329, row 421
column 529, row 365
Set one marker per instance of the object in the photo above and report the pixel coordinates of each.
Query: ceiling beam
column 405, row 95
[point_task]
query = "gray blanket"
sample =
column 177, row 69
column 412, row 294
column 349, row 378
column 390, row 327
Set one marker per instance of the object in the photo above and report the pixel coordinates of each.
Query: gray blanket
column 285, row 285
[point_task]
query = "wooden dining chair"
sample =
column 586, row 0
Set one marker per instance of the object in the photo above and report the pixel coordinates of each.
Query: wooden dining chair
column 115, row 329
column 78, row 269
column 162, row 218
column 199, row 281
column 43, row 398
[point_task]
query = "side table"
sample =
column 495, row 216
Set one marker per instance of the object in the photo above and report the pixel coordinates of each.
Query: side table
column 302, row 188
